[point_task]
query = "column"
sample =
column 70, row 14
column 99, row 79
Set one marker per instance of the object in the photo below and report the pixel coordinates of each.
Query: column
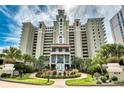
column 50, row 61
column 64, row 61
column 70, row 61
column 56, row 62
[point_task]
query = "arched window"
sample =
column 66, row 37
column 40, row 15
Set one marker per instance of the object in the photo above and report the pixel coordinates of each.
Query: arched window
column 40, row 25
column 60, row 39
column 60, row 20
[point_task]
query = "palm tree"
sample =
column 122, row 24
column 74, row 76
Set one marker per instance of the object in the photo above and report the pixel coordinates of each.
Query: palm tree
column 78, row 63
column 11, row 55
column 40, row 63
column 27, row 58
column 111, row 50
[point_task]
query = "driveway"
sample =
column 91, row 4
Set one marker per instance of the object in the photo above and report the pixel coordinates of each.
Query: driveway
column 60, row 83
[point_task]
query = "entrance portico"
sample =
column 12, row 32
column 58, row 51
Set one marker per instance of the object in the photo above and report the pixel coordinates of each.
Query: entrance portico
column 60, row 58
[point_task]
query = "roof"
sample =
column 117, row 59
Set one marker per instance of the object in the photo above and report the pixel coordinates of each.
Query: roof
column 60, row 45
column 114, row 69
column 113, row 65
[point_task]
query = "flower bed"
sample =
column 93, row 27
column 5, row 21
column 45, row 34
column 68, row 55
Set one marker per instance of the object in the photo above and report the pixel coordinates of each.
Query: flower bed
column 56, row 75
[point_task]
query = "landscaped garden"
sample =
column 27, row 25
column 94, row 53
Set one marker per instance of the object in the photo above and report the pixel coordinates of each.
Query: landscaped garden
column 26, row 79
column 53, row 74
column 77, row 82
column 24, row 65
column 20, row 71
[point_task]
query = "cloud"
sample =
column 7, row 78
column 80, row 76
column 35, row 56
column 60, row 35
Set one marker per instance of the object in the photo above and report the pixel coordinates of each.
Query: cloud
column 5, row 11
column 3, row 47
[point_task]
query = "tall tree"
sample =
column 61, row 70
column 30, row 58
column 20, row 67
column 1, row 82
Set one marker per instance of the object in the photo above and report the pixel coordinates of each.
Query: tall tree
column 78, row 63
column 110, row 51
column 11, row 55
column 27, row 58
column 40, row 64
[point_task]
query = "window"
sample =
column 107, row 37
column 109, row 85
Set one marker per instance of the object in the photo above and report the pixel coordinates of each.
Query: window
column 60, row 23
column 60, row 29
column 66, row 49
column 60, row 59
column 60, row 39
column 53, row 50
column 77, row 23
column 53, row 58
column 60, row 26
column 66, row 58
column 98, row 32
column 60, row 32
column 60, row 20
column 85, row 52
column 60, row 49
column 40, row 25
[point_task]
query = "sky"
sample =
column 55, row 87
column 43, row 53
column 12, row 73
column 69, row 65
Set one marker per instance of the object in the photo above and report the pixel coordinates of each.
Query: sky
column 12, row 17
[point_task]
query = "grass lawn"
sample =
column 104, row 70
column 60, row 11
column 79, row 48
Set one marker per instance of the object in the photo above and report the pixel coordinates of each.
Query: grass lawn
column 87, row 80
column 26, row 79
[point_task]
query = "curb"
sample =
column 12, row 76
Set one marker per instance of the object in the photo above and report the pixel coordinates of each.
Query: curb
column 100, row 85
column 23, row 82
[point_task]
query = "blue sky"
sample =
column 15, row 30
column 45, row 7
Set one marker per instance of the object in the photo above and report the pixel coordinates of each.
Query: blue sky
column 11, row 18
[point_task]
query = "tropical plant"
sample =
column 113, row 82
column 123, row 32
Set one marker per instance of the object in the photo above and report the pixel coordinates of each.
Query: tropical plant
column 27, row 58
column 11, row 55
column 40, row 63
column 103, row 79
column 78, row 63
column 114, row 78
column 20, row 67
column 113, row 59
column 115, row 51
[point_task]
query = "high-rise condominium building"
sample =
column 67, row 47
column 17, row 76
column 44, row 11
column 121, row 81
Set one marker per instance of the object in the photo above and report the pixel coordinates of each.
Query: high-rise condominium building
column 117, row 26
column 61, row 42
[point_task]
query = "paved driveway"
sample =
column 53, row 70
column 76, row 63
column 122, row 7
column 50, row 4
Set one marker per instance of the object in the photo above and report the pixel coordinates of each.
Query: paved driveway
column 60, row 83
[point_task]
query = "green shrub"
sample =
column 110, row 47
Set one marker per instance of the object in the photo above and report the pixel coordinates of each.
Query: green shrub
column 19, row 66
column 57, row 76
column 54, row 72
column 114, row 78
column 29, row 69
column 72, row 73
column 39, row 72
column 98, row 82
column 38, row 75
column 4, row 75
column 107, row 75
column 60, row 74
column 103, row 79
column 64, row 73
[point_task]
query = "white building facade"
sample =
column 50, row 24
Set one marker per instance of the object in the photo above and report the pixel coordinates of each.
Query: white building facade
column 117, row 26
column 61, row 42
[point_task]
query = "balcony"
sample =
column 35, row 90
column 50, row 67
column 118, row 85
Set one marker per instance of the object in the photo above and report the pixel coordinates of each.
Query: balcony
column 60, row 53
